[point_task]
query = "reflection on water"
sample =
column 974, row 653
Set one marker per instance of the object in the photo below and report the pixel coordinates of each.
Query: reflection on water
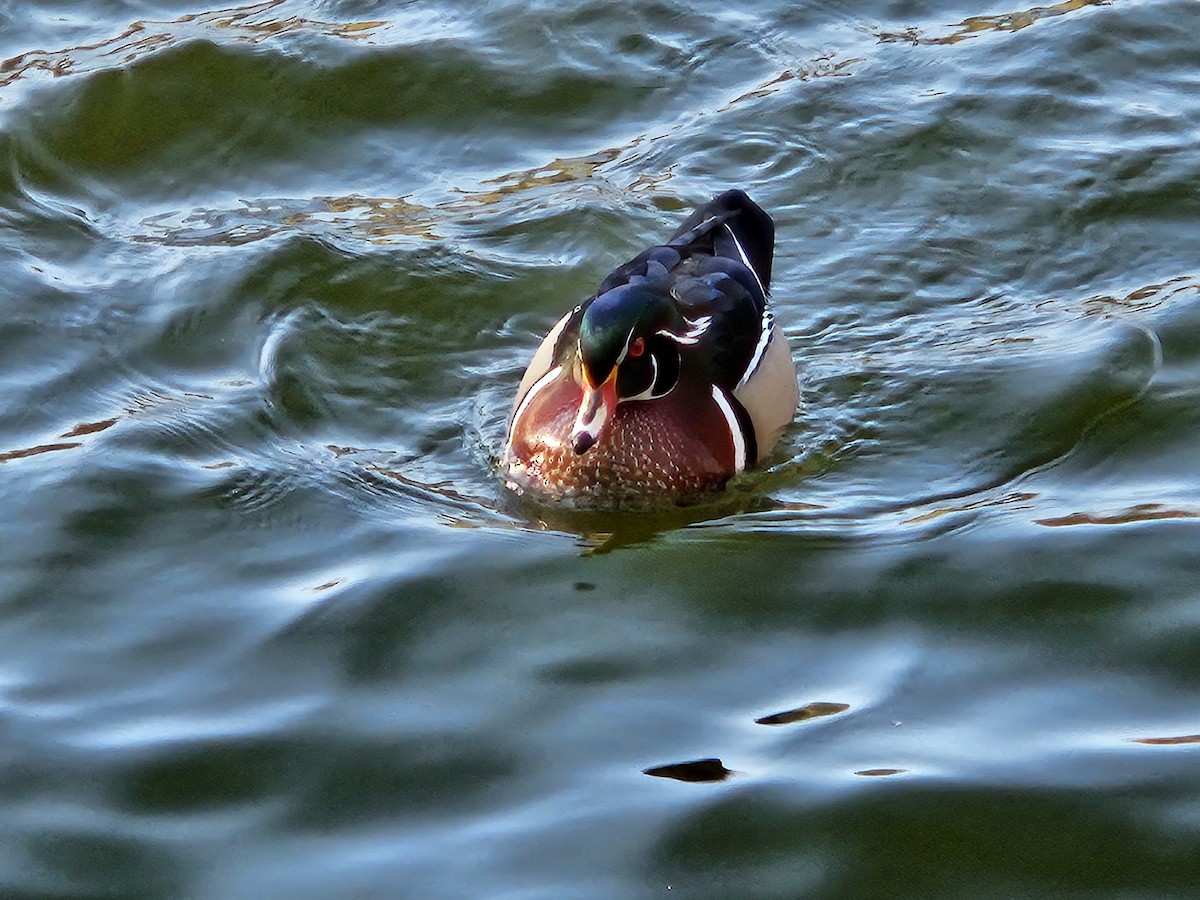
column 804, row 713
column 90, row 427
column 245, row 23
column 1144, row 299
column 1142, row 512
column 373, row 218
column 698, row 770
column 972, row 26
column 24, row 452
column 821, row 67
column 1168, row 741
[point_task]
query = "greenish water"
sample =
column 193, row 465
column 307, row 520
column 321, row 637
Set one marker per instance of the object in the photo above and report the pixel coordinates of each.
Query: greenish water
column 272, row 627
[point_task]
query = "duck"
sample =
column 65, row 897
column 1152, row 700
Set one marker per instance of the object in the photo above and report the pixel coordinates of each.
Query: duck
column 671, row 379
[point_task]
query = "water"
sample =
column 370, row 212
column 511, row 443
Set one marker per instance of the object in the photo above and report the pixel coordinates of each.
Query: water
column 272, row 626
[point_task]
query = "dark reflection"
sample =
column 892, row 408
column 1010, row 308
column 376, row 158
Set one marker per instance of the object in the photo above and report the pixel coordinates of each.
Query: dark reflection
column 803, row 713
column 1168, row 741
column 973, row 26
column 880, row 773
column 603, row 531
column 695, row 771
column 1142, row 512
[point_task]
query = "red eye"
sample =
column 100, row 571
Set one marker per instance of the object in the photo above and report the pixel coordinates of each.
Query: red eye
column 638, row 347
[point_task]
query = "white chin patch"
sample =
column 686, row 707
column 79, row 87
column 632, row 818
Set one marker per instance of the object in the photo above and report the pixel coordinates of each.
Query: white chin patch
column 590, row 425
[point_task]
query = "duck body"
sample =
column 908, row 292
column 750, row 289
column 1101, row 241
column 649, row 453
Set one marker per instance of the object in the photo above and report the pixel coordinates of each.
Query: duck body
column 665, row 383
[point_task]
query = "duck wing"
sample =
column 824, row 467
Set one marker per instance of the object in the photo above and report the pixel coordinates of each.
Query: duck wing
column 733, row 226
column 730, row 226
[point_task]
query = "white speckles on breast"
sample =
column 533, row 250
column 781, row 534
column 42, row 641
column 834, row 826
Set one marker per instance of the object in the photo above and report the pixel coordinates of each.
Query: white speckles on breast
column 646, row 456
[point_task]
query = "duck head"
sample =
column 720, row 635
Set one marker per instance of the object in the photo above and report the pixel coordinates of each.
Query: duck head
column 628, row 349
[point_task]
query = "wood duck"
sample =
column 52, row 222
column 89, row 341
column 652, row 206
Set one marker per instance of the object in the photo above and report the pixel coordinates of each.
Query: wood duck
column 668, row 381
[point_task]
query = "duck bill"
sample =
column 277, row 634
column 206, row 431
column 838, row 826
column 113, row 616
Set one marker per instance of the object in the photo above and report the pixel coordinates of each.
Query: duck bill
column 595, row 412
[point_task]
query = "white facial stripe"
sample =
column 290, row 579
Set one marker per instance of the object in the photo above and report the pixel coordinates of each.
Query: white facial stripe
column 760, row 349
column 648, row 393
column 625, row 351
column 735, row 429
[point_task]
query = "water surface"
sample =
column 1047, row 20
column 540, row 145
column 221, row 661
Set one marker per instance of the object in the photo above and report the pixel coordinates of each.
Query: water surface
column 273, row 628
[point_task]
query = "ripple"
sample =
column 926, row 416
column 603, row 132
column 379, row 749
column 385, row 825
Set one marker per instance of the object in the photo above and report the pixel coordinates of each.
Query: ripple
column 250, row 23
column 271, row 274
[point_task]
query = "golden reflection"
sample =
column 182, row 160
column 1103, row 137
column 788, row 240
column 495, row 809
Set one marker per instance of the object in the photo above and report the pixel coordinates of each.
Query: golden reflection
column 145, row 36
column 1006, row 500
column 376, row 219
column 373, row 217
column 441, row 489
column 976, row 25
column 1142, row 512
column 559, row 171
column 138, row 403
column 803, row 713
column 34, row 451
column 1168, row 741
column 821, row 67
column 89, row 428
column 1144, row 299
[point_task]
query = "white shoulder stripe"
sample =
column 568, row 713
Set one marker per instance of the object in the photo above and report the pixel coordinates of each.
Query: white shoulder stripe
column 760, row 349
column 745, row 259
column 735, row 429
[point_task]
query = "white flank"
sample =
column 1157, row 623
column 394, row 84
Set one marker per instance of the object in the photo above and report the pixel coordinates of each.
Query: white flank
column 527, row 399
column 735, row 429
column 760, row 349
column 745, row 259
